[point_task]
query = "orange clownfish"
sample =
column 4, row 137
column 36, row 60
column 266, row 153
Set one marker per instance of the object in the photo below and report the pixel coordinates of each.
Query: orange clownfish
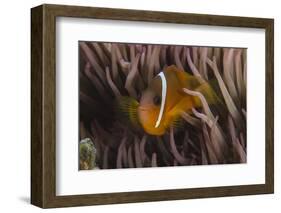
column 163, row 101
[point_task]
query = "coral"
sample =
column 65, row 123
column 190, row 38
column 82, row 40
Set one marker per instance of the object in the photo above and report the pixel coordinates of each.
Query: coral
column 210, row 135
column 87, row 154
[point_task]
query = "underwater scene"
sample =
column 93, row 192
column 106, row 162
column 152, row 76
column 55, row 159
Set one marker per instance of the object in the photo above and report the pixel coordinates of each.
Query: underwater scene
column 150, row 105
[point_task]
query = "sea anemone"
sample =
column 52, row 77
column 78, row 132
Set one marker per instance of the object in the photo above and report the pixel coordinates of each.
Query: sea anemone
column 210, row 135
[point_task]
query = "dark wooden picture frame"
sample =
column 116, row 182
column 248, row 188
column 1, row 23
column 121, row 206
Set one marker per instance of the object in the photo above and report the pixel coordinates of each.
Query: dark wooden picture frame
column 43, row 105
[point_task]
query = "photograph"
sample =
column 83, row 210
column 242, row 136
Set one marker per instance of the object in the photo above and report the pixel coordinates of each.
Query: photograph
column 155, row 105
column 144, row 105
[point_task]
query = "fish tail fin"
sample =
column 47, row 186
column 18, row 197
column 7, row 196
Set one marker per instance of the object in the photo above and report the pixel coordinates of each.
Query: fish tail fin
column 215, row 87
column 127, row 110
column 213, row 97
column 210, row 95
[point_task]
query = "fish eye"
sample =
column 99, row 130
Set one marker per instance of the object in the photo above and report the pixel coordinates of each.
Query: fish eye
column 157, row 100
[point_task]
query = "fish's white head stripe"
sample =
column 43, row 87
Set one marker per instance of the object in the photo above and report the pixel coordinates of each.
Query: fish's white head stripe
column 163, row 98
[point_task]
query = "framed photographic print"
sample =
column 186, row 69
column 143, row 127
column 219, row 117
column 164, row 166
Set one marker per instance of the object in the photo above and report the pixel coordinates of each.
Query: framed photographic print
column 135, row 106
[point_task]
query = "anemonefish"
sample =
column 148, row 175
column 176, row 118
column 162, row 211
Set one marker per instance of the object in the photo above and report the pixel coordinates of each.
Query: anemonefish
column 163, row 101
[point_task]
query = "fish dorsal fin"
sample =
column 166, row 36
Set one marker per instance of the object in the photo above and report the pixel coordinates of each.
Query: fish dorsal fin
column 186, row 80
column 192, row 82
column 172, row 68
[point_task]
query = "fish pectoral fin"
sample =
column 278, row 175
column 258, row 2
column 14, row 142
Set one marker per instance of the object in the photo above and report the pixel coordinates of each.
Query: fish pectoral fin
column 127, row 109
column 178, row 123
column 174, row 121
